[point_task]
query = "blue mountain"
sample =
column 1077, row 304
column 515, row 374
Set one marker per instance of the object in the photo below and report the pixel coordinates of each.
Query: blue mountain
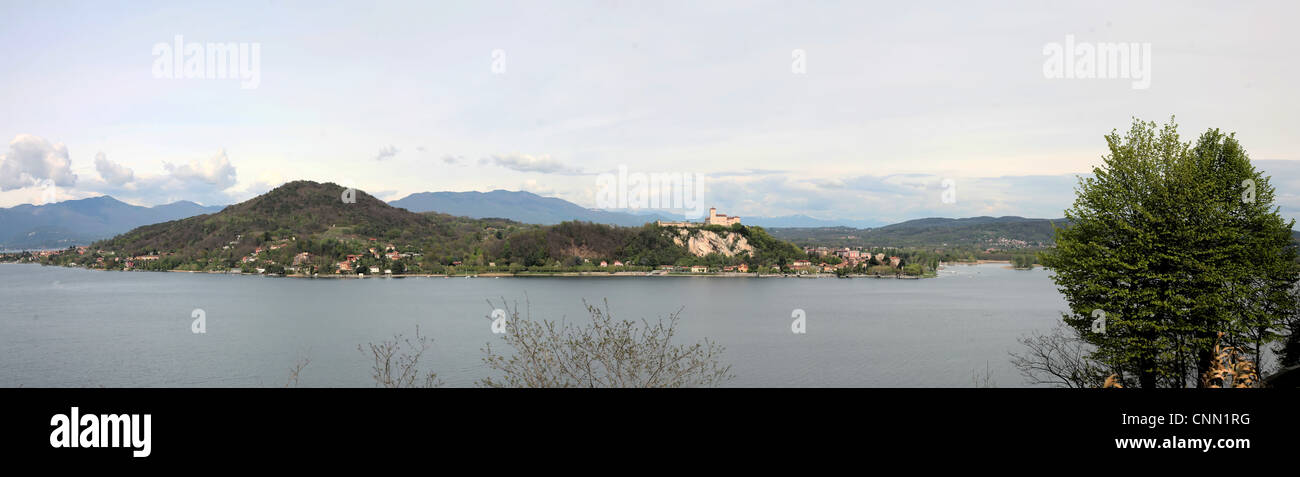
column 531, row 208
column 519, row 206
column 82, row 221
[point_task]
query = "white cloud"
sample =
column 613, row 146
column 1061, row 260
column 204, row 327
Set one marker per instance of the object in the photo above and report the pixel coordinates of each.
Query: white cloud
column 112, row 172
column 211, row 181
column 531, row 185
column 215, row 171
column 386, row 152
column 529, row 163
column 31, row 160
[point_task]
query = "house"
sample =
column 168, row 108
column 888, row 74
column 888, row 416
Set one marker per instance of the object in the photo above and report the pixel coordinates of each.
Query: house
column 895, row 261
column 604, row 263
column 300, row 258
column 345, row 266
column 699, row 269
column 374, row 270
column 742, row 268
column 618, row 263
column 801, row 264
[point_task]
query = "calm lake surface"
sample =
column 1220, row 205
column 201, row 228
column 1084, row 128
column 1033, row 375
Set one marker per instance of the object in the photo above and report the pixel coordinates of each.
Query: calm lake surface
column 64, row 327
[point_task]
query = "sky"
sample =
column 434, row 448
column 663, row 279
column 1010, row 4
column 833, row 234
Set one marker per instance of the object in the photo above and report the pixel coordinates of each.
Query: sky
column 836, row 110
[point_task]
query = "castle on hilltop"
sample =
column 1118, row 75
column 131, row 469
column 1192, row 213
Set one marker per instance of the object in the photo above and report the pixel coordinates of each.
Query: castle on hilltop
column 714, row 218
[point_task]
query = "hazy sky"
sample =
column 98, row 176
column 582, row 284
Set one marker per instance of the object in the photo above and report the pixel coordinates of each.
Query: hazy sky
column 886, row 101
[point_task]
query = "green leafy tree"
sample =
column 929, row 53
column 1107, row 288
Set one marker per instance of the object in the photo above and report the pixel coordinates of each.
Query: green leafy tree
column 1167, row 247
column 1023, row 260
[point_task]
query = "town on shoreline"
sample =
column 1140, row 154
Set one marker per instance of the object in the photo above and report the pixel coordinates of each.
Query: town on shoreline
column 720, row 246
column 527, row 274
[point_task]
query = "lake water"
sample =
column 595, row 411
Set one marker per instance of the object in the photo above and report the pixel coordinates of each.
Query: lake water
column 66, row 327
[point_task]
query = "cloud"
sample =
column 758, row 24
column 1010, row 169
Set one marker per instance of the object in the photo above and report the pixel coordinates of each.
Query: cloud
column 208, row 181
column 215, row 171
column 112, row 172
column 450, row 159
column 747, row 172
column 529, row 163
column 32, row 160
column 531, row 185
column 386, row 152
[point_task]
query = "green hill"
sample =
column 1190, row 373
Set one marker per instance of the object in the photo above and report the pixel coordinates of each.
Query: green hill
column 306, row 227
column 300, row 209
column 981, row 232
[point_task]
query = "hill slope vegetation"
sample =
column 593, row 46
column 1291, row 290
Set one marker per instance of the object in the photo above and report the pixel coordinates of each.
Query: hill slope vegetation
column 306, row 227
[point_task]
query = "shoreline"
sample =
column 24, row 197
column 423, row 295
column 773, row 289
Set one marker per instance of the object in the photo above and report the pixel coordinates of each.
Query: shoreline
column 519, row 275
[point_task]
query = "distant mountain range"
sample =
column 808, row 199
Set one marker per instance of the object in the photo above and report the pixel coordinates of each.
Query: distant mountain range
column 519, row 206
column 933, row 232
column 530, row 208
column 79, row 222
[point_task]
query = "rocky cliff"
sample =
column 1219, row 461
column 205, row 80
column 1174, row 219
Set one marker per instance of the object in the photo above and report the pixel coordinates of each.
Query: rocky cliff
column 703, row 242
